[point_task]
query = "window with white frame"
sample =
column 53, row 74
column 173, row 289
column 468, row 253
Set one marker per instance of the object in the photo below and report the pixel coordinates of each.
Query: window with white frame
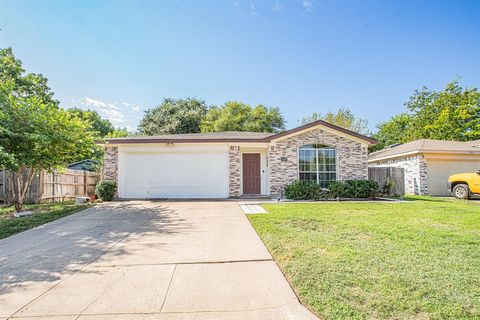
column 317, row 163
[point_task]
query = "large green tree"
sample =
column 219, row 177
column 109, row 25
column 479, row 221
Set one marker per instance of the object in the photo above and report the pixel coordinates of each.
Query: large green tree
column 174, row 116
column 237, row 116
column 98, row 126
column 393, row 131
column 25, row 85
column 450, row 114
column 343, row 117
column 35, row 134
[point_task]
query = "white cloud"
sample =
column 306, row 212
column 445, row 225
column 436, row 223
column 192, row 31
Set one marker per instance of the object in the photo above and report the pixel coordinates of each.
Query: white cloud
column 253, row 10
column 307, row 4
column 124, row 115
column 278, row 7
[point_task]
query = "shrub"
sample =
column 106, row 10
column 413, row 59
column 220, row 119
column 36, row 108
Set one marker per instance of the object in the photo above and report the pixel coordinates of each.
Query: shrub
column 106, row 189
column 304, row 190
column 387, row 188
column 353, row 189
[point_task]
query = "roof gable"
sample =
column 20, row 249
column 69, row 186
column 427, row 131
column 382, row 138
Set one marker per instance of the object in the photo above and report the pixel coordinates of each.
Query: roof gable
column 323, row 125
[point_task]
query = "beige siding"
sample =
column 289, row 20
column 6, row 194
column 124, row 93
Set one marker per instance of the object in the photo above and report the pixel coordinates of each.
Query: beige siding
column 440, row 170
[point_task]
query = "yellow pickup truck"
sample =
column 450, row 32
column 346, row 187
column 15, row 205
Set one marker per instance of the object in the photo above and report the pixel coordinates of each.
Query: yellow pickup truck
column 464, row 185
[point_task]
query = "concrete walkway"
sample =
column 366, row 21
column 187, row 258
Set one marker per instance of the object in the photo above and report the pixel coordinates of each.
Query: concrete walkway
column 144, row 260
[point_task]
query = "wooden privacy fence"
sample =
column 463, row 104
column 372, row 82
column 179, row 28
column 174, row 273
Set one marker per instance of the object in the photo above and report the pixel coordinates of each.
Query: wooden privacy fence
column 395, row 177
column 55, row 186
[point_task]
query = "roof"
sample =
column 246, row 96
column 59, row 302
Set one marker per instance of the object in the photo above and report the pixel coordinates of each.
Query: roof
column 232, row 136
column 86, row 165
column 426, row 146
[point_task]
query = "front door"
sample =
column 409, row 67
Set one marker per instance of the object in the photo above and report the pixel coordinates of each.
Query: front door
column 251, row 173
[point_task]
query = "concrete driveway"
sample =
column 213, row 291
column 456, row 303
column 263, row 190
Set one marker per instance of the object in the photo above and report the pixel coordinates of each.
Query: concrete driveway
column 144, row 260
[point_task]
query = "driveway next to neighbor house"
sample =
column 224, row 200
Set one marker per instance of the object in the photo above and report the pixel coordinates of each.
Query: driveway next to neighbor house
column 144, row 260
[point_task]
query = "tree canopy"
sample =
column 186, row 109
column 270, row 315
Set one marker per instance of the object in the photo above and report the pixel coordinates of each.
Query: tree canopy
column 343, row 117
column 174, row 116
column 237, row 116
column 450, row 114
column 35, row 133
column 24, row 85
column 98, row 126
column 119, row 133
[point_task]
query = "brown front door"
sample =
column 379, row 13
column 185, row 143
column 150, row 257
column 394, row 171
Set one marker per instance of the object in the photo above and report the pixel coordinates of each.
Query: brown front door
column 251, row 173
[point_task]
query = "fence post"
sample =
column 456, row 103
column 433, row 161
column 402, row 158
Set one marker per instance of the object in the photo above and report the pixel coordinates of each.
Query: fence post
column 53, row 186
column 4, row 188
column 85, row 183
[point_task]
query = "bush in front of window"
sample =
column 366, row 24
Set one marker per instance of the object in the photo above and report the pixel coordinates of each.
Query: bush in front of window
column 106, row 189
column 304, row 190
column 353, row 189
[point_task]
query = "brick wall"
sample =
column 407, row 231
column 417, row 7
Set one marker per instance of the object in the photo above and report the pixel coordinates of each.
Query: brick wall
column 110, row 164
column 234, row 166
column 351, row 158
column 415, row 168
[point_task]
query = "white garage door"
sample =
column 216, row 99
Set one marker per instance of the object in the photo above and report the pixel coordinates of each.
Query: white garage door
column 173, row 174
column 438, row 172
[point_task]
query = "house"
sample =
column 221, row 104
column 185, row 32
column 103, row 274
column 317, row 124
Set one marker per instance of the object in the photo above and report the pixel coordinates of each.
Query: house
column 234, row 164
column 85, row 165
column 428, row 163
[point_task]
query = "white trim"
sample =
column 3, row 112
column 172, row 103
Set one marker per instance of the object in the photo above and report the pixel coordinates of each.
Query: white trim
column 410, row 153
column 190, row 144
column 329, row 148
column 400, row 155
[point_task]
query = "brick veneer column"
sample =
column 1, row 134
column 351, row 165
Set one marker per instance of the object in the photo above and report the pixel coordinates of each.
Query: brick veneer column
column 110, row 164
column 234, row 166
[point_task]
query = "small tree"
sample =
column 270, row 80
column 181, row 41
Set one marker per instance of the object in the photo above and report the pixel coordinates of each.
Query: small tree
column 119, row 133
column 343, row 117
column 174, row 116
column 35, row 134
column 237, row 116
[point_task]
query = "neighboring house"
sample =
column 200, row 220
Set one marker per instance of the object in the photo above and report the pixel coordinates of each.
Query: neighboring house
column 85, row 165
column 428, row 163
column 233, row 164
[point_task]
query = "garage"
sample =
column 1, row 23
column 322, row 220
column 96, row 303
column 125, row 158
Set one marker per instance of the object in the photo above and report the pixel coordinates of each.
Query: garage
column 173, row 172
column 428, row 163
column 438, row 172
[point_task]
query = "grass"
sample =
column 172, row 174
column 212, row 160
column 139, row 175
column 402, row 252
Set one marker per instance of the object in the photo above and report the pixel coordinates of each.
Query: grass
column 43, row 213
column 412, row 260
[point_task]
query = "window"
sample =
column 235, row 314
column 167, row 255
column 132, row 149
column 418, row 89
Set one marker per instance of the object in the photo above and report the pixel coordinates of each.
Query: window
column 317, row 163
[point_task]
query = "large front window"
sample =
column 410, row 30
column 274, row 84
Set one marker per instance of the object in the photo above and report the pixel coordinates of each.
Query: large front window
column 317, row 163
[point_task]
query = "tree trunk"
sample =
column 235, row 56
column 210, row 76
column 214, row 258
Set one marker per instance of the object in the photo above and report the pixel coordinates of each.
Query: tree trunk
column 18, row 191
column 22, row 187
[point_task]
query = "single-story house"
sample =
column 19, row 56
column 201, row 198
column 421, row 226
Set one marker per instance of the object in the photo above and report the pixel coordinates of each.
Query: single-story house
column 428, row 163
column 233, row 164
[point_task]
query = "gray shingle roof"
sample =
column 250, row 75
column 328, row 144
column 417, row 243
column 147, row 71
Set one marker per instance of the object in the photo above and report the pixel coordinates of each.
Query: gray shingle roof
column 233, row 136
column 427, row 145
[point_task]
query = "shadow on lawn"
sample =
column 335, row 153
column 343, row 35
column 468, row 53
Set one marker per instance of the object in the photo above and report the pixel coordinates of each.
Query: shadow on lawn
column 47, row 253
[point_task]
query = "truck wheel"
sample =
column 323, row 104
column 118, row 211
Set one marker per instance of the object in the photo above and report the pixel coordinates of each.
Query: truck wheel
column 460, row 191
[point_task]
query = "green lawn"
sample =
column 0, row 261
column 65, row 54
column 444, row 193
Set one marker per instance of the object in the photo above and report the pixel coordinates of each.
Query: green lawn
column 43, row 213
column 411, row 260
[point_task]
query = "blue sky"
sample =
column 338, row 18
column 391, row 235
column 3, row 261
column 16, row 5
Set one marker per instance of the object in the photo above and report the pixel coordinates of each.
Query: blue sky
column 122, row 57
